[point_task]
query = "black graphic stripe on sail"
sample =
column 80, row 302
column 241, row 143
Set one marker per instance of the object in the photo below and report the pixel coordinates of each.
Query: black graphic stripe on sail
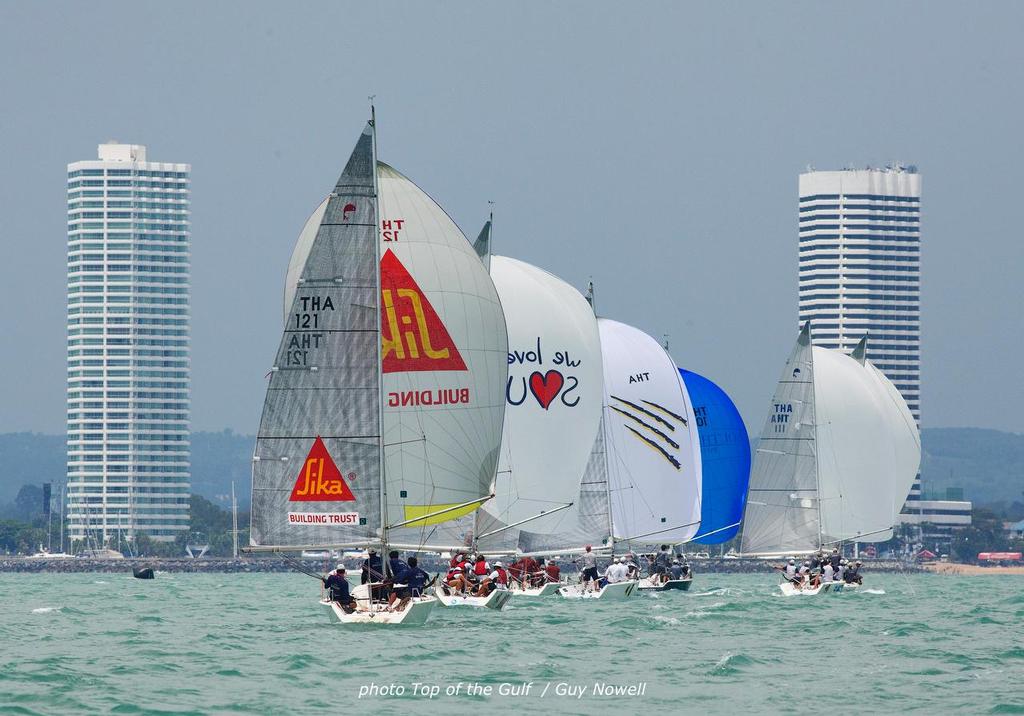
column 645, row 411
column 666, row 438
column 665, row 410
column 656, row 446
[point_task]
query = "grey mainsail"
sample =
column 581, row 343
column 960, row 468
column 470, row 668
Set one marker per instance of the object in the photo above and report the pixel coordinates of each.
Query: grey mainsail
column 782, row 514
column 316, row 467
column 482, row 245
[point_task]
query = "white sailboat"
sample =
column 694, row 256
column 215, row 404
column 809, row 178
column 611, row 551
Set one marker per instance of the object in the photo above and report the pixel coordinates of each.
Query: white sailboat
column 836, row 458
column 383, row 415
column 654, row 453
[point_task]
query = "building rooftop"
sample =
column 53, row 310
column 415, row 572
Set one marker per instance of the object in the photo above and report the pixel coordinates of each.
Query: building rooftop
column 114, row 151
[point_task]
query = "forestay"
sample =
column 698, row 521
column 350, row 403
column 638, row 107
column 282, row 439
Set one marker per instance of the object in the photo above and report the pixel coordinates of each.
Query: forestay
column 652, row 446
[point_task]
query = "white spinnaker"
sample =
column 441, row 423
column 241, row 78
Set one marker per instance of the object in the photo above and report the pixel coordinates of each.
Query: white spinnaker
column 782, row 502
column 554, row 393
column 653, row 464
column 868, row 448
column 437, row 456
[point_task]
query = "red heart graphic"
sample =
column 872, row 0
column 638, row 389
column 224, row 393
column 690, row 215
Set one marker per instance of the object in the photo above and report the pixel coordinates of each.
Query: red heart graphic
column 545, row 387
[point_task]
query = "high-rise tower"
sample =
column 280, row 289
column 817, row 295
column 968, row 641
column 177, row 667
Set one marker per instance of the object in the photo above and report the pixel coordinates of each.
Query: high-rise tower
column 128, row 391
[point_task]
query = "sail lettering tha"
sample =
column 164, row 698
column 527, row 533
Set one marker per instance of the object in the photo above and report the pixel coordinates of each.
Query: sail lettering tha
column 412, row 334
column 320, row 479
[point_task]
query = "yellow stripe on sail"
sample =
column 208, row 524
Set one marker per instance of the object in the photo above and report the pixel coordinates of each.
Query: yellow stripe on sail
column 412, row 512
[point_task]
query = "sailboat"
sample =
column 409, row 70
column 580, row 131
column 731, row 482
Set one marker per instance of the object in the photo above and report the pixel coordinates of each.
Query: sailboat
column 836, row 458
column 651, row 455
column 553, row 412
column 383, row 414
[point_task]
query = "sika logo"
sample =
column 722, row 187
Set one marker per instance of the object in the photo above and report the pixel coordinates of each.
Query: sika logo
column 349, row 208
column 412, row 335
column 320, row 479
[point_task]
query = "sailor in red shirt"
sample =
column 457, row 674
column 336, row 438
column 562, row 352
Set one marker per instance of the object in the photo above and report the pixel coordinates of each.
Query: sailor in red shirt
column 551, row 571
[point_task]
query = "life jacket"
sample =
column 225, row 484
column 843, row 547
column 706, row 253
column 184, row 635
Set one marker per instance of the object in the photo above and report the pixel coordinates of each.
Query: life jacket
column 502, row 575
column 480, row 569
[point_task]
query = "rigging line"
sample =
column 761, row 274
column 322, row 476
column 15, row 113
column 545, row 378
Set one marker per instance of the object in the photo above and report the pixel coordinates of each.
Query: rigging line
column 656, row 446
column 665, row 410
column 528, row 519
column 645, row 411
column 650, row 427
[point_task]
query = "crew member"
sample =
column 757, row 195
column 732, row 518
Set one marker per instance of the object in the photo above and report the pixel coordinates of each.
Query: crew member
column 410, row 582
column 396, row 565
column 588, row 560
column 551, row 571
column 338, row 590
column 661, row 564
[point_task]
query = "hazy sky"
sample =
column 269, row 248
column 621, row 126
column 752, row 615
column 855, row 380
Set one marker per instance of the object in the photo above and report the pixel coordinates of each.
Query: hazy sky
column 655, row 147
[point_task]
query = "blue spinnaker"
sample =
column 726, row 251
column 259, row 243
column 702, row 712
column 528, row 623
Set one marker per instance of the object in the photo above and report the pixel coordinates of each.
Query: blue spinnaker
column 725, row 459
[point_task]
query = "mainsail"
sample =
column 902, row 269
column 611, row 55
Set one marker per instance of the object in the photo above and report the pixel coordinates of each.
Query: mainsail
column 316, row 465
column 782, row 504
column 654, row 465
column 553, row 395
column 836, row 458
column 724, row 458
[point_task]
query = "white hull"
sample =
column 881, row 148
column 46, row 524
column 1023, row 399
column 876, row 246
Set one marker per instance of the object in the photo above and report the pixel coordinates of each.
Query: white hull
column 495, row 600
column 414, row 614
column 612, row 592
column 789, row 590
column 547, row 590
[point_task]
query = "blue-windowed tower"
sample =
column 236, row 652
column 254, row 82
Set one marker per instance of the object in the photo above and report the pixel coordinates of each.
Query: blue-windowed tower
column 128, row 395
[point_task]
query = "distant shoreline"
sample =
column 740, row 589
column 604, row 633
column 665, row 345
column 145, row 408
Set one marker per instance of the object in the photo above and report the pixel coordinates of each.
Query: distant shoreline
column 26, row 565
column 957, row 569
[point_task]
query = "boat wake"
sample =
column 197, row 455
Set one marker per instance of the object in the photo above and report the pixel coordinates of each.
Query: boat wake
column 45, row 610
column 872, row 591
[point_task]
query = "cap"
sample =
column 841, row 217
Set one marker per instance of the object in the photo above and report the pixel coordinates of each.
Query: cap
column 792, row 561
column 340, row 568
column 618, row 559
column 372, row 551
column 498, row 564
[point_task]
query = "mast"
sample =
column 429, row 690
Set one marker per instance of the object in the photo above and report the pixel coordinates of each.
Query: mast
column 234, row 522
column 814, row 426
column 380, row 371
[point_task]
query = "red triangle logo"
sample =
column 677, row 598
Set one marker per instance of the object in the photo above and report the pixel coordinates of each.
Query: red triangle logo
column 412, row 335
column 320, row 479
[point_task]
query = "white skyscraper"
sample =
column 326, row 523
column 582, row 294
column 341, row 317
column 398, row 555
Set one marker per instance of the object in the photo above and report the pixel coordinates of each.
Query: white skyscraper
column 128, row 346
column 860, row 272
column 860, row 267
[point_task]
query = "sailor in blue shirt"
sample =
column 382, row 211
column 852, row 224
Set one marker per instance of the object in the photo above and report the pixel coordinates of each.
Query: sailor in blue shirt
column 409, row 583
column 338, row 589
column 396, row 565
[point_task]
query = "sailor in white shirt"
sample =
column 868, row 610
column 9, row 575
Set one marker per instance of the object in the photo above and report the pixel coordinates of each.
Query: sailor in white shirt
column 827, row 572
column 791, row 570
column 616, row 571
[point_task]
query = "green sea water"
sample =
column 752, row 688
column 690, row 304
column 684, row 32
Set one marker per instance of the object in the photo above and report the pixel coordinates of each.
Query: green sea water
column 259, row 643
